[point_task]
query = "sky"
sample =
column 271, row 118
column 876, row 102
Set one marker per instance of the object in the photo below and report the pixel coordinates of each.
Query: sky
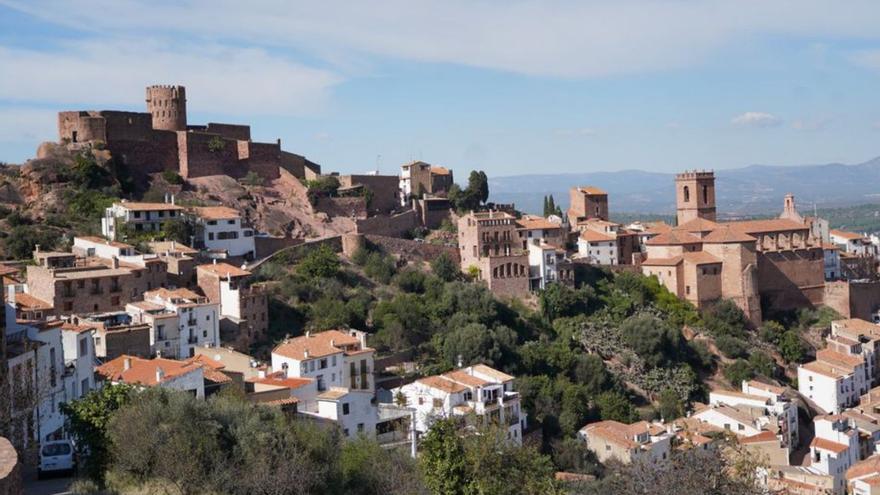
column 506, row 86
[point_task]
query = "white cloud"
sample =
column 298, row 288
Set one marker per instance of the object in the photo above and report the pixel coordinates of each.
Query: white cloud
column 756, row 119
column 869, row 59
column 811, row 124
column 585, row 131
column 565, row 38
column 219, row 79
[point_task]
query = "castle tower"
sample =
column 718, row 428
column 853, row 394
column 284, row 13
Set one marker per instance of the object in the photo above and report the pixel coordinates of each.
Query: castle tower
column 167, row 105
column 695, row 196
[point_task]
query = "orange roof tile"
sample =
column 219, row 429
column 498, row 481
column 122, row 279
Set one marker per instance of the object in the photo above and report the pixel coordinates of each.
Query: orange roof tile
column 464, row 378
column 593, row 236
column 726, row 234
column 278, row 379
column 821, row 443
column 223, row 269
column 443, row 384
column 435, row 170
column 24, row 300
column 673, row 237
column 697, row 225
column 826, row 369
column 852, row 236
column 674, row 261
column 496, row 375
column 592, row 190
column 318, row 345
column 143, row 371
column 533, row 223
column 142, row 206
column 216, row 212
column 764, row 436
column 836, row 358
column 767, row 226
column 101, row 240
column 869, row 466
column 700, row 258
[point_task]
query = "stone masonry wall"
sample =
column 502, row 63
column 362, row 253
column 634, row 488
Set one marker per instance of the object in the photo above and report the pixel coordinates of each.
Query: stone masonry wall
column 392, row 226
column 412, row 250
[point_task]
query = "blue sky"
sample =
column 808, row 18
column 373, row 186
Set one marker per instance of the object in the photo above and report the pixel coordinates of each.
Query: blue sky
column 510, row 87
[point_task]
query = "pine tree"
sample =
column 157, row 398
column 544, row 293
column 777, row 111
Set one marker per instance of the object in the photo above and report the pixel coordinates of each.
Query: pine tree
column 546, row 205
column 551, row 206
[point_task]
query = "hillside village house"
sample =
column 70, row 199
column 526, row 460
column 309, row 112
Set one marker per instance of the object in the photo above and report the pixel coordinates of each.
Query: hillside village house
column 157, row 372
column 641, row 441
column 179, row 259
column 834, row 449
column 198, row 318
column 845, row 369
column 334, row 358
column 243, row 306
column 419, row 178
column 489, row 242
column 863, row 478
column 222, row 230
column 479, row 392
column 139, row 216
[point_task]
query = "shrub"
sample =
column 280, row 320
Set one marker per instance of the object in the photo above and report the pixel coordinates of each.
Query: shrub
column 411, row 281
column 216, row 144
column 790, row 347
column 738, row 372
column 444, row 267
column 253, row 179
column 360, row 256
column 771, row 332
column 379, row 267
column 731, row 347
column 172, row 177
column 320, row 262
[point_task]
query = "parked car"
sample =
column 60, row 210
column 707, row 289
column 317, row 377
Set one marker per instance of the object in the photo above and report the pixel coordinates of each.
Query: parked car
column 57, row 456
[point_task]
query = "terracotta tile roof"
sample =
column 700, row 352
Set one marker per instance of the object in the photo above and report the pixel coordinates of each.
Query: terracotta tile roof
column 143, row 371
column 442, row 384
column 658, row 228
column 464, row 378
column 101, row 240
column 532, row 223
column 826, row 369
column 836, row 358
column 858, row 325
column 279, row 402
column 223, row 269
column 318, row 345
column 171, row 246
column 725, row 234
column 846, row 235
column 619, row 433
column 216, row 212
column 141, row 206
column 593, row 236
column 674, row 261
column 8, row 270
column 869, row 466
column 741, row 395
column 764, row 436
column 697, row 225
column 673, row 237
column 333, row 394
column 435, row 170
column 592, row 190
column 499, row 376
column 700, row 258
column 821, row 443
column 278, row 379
column 766, row 386
column 206, row 361
column 24, row 300
column 767, row 226
column 167, row 294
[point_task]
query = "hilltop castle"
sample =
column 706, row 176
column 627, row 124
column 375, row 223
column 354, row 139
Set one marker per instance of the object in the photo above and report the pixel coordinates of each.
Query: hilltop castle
column 160, row 139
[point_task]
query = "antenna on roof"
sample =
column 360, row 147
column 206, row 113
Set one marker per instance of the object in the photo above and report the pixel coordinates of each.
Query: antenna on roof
column 378, row 161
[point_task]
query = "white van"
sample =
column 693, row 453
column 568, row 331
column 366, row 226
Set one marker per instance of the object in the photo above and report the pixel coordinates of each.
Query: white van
column 57, row 456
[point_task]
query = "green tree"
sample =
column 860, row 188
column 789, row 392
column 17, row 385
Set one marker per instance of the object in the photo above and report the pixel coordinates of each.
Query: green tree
column 444, row 267
column 771, row 332
column 88, row 419
column 551, row 206
column 790, row 347
column 670, row 405
column 320, row 262
column 652, row 339
column 559, row 300
column 546, row 205
column 738, row 372
column 476, row 343
column 442, row 460
column 614, row 405
column 762, row 364
column 732, row 347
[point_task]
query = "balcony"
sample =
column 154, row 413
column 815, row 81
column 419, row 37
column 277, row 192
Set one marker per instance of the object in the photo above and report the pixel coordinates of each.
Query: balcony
column 192, row 322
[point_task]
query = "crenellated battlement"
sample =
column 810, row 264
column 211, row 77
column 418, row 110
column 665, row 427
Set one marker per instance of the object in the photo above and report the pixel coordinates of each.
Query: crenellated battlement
column 695, row 174
column 167, row 104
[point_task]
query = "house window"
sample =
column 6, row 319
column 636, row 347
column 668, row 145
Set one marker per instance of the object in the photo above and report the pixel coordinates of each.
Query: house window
column 437, row 403
column 345, row 409
column 360, row 427
column 323, row 363
column 83, row 347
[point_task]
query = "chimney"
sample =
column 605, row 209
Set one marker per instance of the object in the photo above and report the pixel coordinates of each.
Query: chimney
column 126, row 363
column 261, row 374
column 167, row 198
column 458, row 361
column 173, row 200
column 308, row 333
column 36, row 248
column 215, row 261
column 279, row 141
column 306, row 353
column 160, row 374
column 115, row 262
column 332, row 342
column 158, row 353
column 173, row 245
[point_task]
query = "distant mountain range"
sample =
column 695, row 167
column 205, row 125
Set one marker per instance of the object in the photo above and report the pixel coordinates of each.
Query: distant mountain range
column 752, row 190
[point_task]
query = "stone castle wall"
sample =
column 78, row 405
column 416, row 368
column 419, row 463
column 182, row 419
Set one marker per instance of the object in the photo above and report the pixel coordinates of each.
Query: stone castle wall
column 853, row 299
column 412, row 250
column 791, row 279
column 391, row 226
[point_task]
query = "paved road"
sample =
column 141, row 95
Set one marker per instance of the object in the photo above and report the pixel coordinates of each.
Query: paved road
column 51, row 486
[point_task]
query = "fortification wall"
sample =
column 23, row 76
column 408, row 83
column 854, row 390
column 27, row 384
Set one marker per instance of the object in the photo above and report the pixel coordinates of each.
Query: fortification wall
column 127, row 126
column 265, row 246
column 385, row 190
column 432, row 213
column 79, row 127
column 859, row 299
column 229, row 131
column 158, row 153
column 412, row 250
column 342, row 207
column 263, row 159
column 197, row 159
column 391, row 226
column 791, row 279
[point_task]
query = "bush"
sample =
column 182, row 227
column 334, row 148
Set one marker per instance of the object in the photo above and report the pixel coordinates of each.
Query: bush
column 380, row 267
column 216, row 144
column 790, row 347
column 20, row 243
column 725, row 318
column 444, row 267
column 771, row 332
column 732, row 347
column 738, row 372
column 321, row 262
column 172, row 177
column 253, row 179
column 762, row 364
column 411, row 281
